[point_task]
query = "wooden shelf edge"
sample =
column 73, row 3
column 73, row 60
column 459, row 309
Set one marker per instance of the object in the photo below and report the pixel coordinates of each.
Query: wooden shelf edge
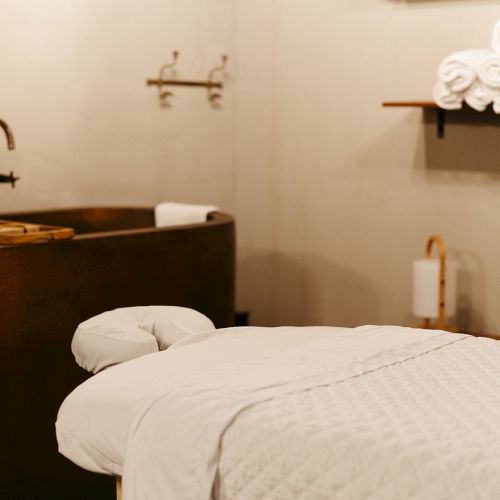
column 410, row 104
column 440, row 112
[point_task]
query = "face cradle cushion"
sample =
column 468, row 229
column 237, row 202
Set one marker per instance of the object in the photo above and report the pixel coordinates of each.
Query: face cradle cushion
column 123, row 334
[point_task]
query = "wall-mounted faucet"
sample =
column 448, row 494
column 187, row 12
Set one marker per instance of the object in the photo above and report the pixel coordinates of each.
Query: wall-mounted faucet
column 8, row 133
column 10, row 145
column 9, row 178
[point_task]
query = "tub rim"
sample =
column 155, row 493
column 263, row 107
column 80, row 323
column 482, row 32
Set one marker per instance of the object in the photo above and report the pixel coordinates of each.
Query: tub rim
column 215, row 219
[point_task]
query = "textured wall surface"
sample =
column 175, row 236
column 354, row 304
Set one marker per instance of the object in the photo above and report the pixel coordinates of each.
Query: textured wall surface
column 88, row 130
column 334, row 195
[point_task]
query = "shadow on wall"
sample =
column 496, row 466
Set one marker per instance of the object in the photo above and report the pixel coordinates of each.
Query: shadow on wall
column 299, row 290
column 470, row 147
column 471, row 142
column 470, row 276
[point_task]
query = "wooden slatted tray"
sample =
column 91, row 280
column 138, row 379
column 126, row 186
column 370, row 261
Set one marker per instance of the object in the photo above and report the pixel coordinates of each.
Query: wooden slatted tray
column 13, row 232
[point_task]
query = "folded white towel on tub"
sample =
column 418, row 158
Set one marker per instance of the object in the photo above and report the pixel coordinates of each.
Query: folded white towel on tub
column 446, row 98
column 489, row 70
column 478, row 96
column 459, row 70
column 173, row 214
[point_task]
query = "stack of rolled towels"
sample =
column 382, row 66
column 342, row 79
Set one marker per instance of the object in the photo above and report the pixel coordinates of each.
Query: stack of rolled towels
column 472, row 76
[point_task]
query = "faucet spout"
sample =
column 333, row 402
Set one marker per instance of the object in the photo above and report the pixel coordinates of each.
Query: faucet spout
column 8, row 133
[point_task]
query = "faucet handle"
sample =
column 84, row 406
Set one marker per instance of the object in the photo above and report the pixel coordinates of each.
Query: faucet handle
column 13, row 179
column 9, row 178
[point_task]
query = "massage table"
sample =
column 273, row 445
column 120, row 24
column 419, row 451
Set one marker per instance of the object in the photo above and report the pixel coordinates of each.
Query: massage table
column 247, row 413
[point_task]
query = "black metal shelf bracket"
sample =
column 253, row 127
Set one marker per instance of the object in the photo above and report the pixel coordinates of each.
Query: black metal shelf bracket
column 441, row 121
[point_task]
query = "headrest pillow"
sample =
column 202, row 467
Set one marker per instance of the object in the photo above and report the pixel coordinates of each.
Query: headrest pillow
column 124, row 334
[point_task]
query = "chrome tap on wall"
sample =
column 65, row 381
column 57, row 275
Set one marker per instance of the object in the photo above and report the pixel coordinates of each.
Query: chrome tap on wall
column 10, row 145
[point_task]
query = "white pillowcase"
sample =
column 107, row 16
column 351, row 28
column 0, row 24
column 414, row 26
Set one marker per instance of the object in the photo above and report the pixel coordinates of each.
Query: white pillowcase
column 127, row 333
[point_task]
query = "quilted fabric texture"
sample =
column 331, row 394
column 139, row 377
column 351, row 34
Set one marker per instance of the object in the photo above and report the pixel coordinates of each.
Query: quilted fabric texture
column 373, row 412
column 424, row 428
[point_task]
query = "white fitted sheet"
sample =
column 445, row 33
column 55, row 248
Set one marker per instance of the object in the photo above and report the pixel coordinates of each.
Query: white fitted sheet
column 367, row 413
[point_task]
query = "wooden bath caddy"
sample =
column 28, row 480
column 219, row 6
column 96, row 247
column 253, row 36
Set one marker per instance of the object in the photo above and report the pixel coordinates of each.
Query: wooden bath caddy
column 14, row 233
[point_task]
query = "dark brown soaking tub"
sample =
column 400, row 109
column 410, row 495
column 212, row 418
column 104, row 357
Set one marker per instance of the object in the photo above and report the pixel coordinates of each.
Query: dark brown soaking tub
column 117, row 259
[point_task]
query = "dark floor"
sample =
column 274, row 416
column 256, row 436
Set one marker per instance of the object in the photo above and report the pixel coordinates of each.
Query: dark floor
column 98, row 488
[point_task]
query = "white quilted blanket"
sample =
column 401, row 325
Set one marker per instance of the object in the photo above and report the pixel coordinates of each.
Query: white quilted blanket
column 372, row 413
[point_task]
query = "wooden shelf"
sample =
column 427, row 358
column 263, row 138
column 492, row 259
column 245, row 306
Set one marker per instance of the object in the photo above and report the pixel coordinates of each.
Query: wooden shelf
column 440, row 112
column 410, row 104
column 466, row 114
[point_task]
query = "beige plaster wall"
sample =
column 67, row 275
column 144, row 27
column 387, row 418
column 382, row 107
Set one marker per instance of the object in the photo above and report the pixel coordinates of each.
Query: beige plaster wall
column 333, row 194
column 336, row 195
column 88, row 130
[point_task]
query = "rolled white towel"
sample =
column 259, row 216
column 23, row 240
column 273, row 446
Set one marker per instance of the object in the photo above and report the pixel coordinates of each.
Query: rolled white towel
column 495, row 38
column 496, row 106
column 173, row 214
column 489, row 70
column 495, row 95
column 478, row 96
column 459, row 70
column 447, row 99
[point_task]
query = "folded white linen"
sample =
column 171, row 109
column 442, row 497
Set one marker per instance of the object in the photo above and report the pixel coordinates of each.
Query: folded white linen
column 422, row 429
column 489, row 70
column 495, row 38
column 495, row 95
column 459, row 70
column 172, row 457
column 173, row 214
column 446, row 98
column 478, row 96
